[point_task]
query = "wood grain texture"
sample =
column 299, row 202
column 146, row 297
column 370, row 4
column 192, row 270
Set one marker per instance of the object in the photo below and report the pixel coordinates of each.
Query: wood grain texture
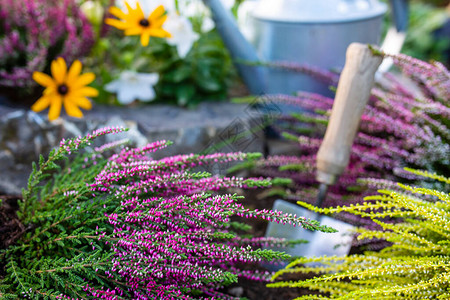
column 352, row 94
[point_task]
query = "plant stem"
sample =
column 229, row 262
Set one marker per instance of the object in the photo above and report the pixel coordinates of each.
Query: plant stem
column 68, row 268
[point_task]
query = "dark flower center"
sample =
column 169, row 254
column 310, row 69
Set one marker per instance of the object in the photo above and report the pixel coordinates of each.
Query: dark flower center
column 144, row 23
column 63, row 89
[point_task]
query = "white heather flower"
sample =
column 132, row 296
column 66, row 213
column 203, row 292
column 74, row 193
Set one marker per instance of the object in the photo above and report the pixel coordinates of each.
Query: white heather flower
column 133, row 86
column 183, row 36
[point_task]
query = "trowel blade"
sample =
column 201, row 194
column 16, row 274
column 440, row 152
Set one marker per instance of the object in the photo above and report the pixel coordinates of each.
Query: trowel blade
column 319, row 243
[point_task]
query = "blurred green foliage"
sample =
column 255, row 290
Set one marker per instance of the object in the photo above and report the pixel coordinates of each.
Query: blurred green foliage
column 425, row 18
column 421, row 41
column 204, row 74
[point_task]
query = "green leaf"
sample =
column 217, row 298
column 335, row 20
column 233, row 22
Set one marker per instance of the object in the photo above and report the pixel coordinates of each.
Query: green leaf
column 184, row 93
column 52, row 166
column 209, row 84
column 178, row 74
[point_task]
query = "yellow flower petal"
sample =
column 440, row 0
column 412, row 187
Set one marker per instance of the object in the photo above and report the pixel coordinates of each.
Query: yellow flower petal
column 77, row 89
column 71, row 109
column 145, row 38
column 86, row 91
column 133, row 31
column 62, row 63
column 130, row 22
column 159, row 22
column 41, row 104
column 134, row 14
column 159, row 32
column 129, row 8
column 74, row 71
column 116, row 23
column 81, row 81
column 63, row 68
column 139, row 13
column 82, row 102
column 158, row 12
column 59, row 69
column 50, row 90
column 55, row 107
column 115, row 11
column 43, row 79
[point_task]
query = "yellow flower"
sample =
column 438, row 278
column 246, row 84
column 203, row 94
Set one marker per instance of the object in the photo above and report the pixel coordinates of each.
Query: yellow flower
column 68, row 87
column 134, row 22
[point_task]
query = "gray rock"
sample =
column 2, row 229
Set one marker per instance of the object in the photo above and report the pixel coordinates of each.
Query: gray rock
column 133, row 135
column 237, row 291
column 213, row 127
column 6, row 159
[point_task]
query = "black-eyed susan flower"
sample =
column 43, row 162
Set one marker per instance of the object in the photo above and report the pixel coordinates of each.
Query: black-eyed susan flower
column 134, row 22
column 66, row 87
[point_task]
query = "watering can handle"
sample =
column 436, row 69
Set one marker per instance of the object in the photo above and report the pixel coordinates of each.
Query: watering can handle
column 352, row 94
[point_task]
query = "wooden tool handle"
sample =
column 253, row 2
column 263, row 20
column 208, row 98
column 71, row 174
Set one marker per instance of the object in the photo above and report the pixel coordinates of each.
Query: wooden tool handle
column 352, row 94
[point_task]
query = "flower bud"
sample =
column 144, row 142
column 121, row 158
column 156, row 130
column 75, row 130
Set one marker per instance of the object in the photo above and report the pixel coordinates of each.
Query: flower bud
column 93, row 11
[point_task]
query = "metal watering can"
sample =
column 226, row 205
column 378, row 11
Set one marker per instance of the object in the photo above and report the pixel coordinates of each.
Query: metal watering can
column 313, row 32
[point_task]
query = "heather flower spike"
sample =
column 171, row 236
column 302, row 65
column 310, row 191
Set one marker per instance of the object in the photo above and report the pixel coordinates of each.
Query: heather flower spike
column 66, row 87
column 32, row 32
column 134, row 22
column 129, row 226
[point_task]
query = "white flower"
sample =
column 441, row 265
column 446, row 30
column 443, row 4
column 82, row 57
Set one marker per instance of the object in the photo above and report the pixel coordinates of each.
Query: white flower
column 148, row 6
column 196, row 8
column 133, row 86
column 193, row 8
column 207, row 24
column 245, row 21
column 228, row 4
column 183, row 36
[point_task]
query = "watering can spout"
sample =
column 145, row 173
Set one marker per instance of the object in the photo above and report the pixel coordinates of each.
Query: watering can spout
column 240, row 49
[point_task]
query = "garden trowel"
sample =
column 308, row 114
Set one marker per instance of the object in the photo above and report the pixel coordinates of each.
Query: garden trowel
column 352, row 94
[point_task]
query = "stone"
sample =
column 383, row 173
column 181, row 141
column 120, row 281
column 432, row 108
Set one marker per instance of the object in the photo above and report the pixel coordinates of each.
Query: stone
column 211, row 127
column 6, row 159
column 236, row 291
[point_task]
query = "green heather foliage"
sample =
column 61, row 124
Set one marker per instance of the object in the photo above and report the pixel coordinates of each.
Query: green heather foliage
column 126, row 226
column 415, row 266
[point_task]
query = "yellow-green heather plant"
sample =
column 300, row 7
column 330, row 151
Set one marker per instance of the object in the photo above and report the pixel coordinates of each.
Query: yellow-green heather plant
column 415, row 266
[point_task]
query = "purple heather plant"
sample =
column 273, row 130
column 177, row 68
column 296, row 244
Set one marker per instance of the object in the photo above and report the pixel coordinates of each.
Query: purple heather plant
column 34, row 32
column 126, row 226
column 405, row 124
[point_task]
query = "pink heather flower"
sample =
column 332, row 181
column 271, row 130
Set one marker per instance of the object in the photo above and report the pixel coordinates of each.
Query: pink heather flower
column 398, row 128
column 34, row 29
column 164, row 226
